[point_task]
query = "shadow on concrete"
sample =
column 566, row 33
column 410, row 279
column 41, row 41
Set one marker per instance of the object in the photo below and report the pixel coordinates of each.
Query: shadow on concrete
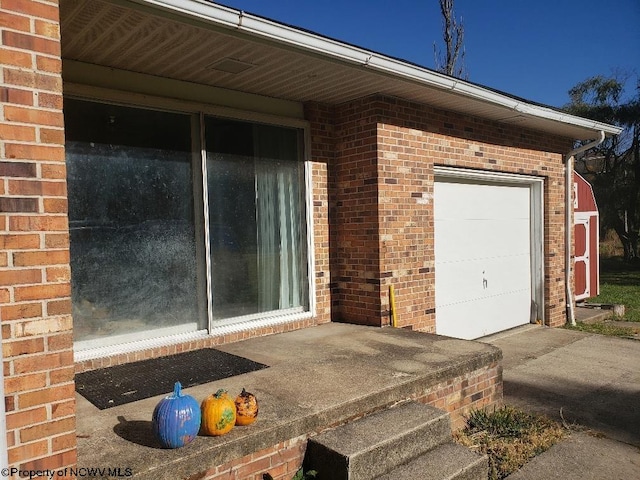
column 137, row 431
column 607, row 409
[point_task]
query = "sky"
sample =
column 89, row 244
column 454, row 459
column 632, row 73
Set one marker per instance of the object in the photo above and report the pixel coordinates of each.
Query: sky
column 534, row 49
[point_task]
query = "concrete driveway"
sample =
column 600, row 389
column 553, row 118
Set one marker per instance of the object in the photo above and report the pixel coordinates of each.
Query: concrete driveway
column 592, row 381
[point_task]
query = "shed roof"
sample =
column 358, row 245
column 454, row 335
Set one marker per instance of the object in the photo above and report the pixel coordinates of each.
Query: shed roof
column 207, row 43
column 584, row 200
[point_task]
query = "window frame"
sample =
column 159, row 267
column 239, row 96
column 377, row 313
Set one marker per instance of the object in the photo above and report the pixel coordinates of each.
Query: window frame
column 201, row 214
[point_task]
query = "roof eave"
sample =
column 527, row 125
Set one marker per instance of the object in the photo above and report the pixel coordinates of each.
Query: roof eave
column 222, row 16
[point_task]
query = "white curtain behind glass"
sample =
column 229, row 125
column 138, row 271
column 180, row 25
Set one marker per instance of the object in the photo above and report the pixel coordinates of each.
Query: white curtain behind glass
column 279, row 218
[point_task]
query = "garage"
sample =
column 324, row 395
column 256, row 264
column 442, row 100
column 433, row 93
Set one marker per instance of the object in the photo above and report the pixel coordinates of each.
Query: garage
column 488, row 251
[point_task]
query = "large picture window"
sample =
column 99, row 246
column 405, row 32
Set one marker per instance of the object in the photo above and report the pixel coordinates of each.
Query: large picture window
column 156, row 249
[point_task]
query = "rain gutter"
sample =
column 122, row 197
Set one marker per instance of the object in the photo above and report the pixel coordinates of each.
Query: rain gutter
column 568, row 226
column 257, row 26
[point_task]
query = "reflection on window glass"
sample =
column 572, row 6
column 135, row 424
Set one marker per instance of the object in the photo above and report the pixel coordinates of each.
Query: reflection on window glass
column 137, row 257
column 133, row 250
column 256, row 219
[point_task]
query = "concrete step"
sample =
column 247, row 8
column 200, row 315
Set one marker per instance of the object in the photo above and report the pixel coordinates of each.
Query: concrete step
column 375, row 444
column 445, row 462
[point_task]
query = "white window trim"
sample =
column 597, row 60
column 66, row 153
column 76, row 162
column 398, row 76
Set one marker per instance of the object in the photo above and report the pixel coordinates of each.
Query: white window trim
column 233, row 325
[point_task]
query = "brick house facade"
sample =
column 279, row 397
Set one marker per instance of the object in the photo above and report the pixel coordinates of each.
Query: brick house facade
column 370, row 163
column 379, row 179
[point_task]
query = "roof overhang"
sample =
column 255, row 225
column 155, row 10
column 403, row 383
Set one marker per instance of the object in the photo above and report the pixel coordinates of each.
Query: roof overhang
column 210, row 44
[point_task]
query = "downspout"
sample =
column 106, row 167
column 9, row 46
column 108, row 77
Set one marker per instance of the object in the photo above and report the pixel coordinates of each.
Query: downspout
column 568, row 226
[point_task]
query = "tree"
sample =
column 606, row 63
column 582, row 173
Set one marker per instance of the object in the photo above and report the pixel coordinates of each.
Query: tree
column 613, row 168
column 453, row 35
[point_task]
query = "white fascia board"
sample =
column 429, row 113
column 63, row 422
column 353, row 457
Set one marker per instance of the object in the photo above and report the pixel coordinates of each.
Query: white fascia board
column 261, row 27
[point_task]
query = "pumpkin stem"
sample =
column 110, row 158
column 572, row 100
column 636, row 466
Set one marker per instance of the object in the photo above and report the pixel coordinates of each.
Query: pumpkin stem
column 177, row 390
column 219, row 393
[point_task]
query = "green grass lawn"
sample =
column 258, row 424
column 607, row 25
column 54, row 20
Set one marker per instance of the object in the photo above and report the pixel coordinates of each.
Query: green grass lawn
column 620, row 284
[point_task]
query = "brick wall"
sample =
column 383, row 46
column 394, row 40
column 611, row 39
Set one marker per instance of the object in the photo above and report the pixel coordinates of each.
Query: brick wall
column 321, row 155
column 34, row 257
column 281, row 461
column 354, row 215
column 381, row 214
column 414, row 138
column 481, row 388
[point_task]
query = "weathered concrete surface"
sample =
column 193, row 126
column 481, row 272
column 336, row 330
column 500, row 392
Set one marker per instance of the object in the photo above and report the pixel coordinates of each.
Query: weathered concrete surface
column 592, row 315
column 318, row 377
column 448, row 461
column 594, row 380
column 373, row 445
column 584, row 457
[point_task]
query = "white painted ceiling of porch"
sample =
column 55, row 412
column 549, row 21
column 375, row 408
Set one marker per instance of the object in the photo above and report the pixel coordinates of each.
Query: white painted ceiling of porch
column 138, row 40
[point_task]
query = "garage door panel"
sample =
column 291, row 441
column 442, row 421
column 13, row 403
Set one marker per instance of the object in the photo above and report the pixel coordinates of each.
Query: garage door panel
column 472, row 239
column 470, row 280
column 501, row 311
column 482, row 257
column 482, row 201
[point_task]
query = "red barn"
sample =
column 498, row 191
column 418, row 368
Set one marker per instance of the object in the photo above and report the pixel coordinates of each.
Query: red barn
column 586, row 239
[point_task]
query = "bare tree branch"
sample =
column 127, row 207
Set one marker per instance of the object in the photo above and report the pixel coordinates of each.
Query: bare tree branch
column 453, row 36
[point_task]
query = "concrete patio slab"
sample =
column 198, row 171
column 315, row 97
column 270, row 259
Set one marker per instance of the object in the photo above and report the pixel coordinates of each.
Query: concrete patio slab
column 317, row 377
column 583, row 457
column 592, row 380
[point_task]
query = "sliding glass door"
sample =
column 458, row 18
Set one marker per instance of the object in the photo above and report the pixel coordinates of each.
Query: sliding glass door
column 155, row 246
column 257, row 219
column 131, row 219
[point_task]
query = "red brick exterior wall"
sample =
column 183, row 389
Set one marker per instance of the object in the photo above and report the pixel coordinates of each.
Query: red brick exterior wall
column 381, row 212
column 281, row 461
column 321, row 155
column 35, row 307
column 481, row 388
column 354, row 216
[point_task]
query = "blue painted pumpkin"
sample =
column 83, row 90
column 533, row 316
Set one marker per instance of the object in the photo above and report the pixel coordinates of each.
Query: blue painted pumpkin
column 176, row 419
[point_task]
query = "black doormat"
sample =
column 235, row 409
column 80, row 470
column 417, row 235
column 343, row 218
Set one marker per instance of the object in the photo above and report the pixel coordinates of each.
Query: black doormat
column 113, row 386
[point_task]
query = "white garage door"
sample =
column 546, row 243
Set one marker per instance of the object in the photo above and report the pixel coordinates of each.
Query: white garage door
column 482, row 257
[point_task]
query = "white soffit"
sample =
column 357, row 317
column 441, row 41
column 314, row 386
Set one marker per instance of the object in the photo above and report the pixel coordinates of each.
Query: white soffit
column 182, row 39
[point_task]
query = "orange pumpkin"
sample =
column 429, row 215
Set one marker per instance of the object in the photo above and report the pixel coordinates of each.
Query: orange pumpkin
column 246, row 408
column 218, row 414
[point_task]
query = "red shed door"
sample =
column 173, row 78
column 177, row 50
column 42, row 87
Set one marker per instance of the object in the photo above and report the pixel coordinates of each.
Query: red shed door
column 582, row 258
